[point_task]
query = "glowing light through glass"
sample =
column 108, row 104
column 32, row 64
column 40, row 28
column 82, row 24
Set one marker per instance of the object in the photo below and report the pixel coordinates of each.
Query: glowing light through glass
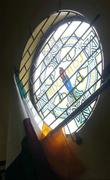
column 69, row 68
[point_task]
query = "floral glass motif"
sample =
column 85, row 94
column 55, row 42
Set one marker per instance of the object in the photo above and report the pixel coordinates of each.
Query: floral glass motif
column 68, row 71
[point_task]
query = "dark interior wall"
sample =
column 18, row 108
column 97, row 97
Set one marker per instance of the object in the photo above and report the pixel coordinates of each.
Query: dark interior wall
column 18, row 19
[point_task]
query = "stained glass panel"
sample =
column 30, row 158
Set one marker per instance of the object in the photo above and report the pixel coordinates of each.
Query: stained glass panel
column 68, row 71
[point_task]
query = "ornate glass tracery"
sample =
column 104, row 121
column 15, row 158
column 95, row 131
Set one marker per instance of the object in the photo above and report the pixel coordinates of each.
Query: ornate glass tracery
column 68, row 71
column 61, row 68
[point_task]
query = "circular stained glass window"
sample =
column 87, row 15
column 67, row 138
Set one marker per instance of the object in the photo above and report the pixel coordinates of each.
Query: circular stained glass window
column 67, row 70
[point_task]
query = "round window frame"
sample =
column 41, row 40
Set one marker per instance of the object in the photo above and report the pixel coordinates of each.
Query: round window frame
column 75, row 17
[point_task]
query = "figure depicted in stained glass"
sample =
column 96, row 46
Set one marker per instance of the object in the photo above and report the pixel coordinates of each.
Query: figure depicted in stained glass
column 65, row 80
